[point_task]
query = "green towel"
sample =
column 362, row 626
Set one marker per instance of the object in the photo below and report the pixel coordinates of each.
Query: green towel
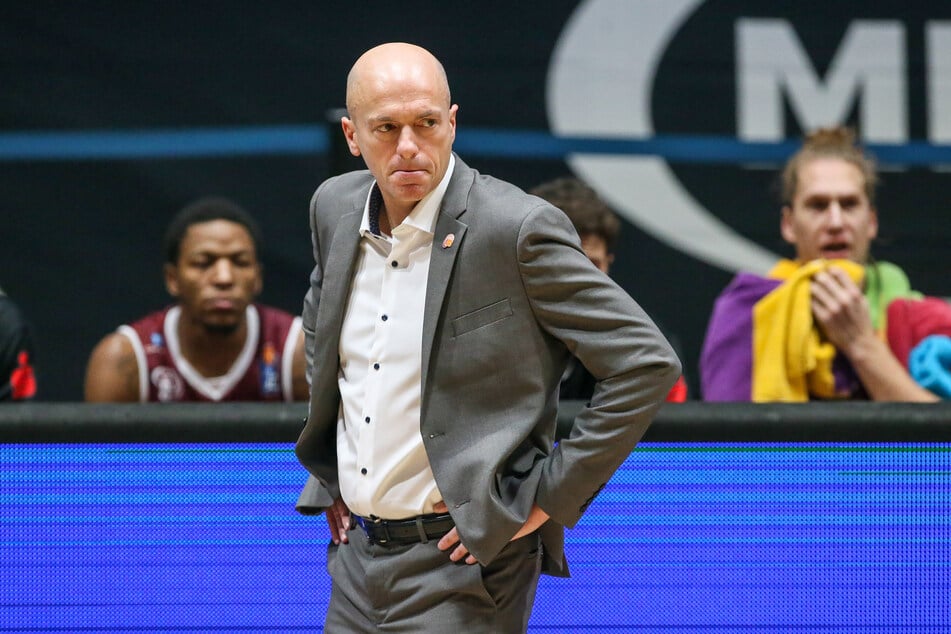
column 885, row 282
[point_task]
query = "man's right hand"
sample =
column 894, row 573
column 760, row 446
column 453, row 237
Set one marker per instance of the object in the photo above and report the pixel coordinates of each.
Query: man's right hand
column 842, row 311
column 338, row 520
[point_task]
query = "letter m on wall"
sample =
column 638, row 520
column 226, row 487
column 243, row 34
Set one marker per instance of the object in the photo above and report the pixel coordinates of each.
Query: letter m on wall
column 869, row 65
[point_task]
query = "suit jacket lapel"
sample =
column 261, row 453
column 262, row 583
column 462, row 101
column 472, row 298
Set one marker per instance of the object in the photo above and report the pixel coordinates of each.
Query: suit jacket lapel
column 443, row 259
column 340, row 263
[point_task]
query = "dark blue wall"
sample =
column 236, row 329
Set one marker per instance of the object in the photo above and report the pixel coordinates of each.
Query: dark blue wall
column 79, row 237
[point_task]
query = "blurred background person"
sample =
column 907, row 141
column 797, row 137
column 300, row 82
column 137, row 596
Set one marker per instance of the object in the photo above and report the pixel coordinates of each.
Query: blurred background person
column 17, row 378
column 214, row 343
column 813, row 328
column 598, row 227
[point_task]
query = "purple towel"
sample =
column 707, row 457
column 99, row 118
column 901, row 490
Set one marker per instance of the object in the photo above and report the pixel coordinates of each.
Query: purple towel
column 726, row 362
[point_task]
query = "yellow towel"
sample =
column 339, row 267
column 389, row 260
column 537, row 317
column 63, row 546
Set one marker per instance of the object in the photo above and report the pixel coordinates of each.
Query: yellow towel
column 790, row 358
column 784, row 269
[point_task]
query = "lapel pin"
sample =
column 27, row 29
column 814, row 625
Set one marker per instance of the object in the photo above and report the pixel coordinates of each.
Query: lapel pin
column 448, row 240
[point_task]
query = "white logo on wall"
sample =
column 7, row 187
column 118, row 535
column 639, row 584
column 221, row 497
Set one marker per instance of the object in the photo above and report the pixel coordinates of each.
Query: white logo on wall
column 600, row 84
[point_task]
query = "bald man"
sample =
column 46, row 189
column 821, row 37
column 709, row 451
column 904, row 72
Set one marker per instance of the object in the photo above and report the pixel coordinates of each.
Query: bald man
column 443, row 307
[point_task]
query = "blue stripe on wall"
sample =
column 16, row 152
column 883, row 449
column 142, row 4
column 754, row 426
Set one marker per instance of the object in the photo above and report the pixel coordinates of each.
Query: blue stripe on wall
column 162, row 143
column 487, row 142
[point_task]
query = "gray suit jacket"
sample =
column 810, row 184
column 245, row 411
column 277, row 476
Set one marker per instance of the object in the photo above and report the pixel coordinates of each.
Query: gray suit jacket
column 506, row 304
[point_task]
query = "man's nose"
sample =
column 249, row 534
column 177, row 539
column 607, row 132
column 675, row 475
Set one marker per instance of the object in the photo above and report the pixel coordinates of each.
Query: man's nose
column 835, row 215
column 407, row 146
column 222, row 272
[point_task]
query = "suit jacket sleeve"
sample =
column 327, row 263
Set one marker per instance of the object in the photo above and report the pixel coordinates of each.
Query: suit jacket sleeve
column 312, row 298
column 319, row 490
column 614, row 338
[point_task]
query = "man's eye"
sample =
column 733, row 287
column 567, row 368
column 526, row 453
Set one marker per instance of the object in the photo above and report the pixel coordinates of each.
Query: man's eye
column 429, row 123
column 386, row 127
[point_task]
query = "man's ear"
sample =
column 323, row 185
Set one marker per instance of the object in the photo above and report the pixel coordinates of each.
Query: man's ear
column 350, row 134
column 171, row 279
column 452, row 119
column 786, row 226
column 873, row 224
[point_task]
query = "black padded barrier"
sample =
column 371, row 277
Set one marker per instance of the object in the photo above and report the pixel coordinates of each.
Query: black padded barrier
column 282, row 422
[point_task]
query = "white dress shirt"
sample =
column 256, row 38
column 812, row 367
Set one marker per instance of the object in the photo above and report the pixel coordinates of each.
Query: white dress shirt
column 382, row 464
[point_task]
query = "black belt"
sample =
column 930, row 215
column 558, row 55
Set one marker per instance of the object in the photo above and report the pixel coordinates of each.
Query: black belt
column 414, row 530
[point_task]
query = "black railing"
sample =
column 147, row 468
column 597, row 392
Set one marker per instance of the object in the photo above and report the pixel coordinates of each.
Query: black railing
column 263, row 422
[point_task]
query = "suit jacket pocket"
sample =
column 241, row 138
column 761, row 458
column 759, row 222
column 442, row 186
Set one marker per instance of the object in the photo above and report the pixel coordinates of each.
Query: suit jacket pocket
column 481, row 317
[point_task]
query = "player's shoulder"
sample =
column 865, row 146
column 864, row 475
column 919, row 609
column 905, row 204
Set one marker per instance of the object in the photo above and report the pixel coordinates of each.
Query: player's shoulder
column 113, row 349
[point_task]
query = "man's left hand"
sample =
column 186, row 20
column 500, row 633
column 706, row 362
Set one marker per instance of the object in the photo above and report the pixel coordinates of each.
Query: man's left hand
column 536, row 518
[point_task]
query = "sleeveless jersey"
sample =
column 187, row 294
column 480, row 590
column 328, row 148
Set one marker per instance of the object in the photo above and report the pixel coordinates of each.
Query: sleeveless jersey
column 262, row 371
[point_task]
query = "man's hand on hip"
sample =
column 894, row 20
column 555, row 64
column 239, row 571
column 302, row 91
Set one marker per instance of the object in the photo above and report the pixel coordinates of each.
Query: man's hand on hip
column 536, row 518
column 338, row 520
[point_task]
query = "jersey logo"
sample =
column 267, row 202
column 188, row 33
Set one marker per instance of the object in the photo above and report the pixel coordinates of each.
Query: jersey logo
column 168, row 384
column 270, row 385
column 156, row 343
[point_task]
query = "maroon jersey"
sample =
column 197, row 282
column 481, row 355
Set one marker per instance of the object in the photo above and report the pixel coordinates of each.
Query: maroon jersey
column 262, row 371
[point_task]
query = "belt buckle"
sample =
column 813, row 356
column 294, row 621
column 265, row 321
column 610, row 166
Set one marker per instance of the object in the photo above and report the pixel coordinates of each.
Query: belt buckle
column 381, row 524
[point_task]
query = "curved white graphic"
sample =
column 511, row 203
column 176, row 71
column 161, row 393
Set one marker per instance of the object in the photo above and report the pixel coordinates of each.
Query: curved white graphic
column 599, row 84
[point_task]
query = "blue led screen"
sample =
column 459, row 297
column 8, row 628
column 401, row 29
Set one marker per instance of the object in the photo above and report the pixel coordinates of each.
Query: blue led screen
column 687, row 537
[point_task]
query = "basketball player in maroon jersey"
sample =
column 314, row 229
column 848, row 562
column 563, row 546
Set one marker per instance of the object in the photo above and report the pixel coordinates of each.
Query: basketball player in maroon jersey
column 214, row 343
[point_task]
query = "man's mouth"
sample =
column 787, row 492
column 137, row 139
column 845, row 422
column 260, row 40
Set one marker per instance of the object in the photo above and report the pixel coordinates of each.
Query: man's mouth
column 836, row 250
column 221, row 304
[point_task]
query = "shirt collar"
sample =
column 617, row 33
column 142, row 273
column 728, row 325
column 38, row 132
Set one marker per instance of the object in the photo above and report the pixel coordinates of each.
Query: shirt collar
column 423, row 216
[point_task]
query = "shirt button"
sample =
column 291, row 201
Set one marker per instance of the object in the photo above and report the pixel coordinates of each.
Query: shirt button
column 363, row 471
column 376, row 366
column 394, row 264
column 384, row 317
column 367, row 419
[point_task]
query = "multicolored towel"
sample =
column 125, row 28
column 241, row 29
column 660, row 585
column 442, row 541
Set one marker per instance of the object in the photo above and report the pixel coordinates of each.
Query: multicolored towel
column 911, row 320
column 791, row 359
column 726, row 361
column 885, row 282
column 930, row 364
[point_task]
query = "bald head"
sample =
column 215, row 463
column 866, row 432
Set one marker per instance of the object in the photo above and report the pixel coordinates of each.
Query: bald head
column 400, row 120
column 394, row 63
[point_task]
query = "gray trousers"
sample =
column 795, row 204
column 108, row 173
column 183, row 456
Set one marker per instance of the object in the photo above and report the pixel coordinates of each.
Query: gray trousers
column 416, row 589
